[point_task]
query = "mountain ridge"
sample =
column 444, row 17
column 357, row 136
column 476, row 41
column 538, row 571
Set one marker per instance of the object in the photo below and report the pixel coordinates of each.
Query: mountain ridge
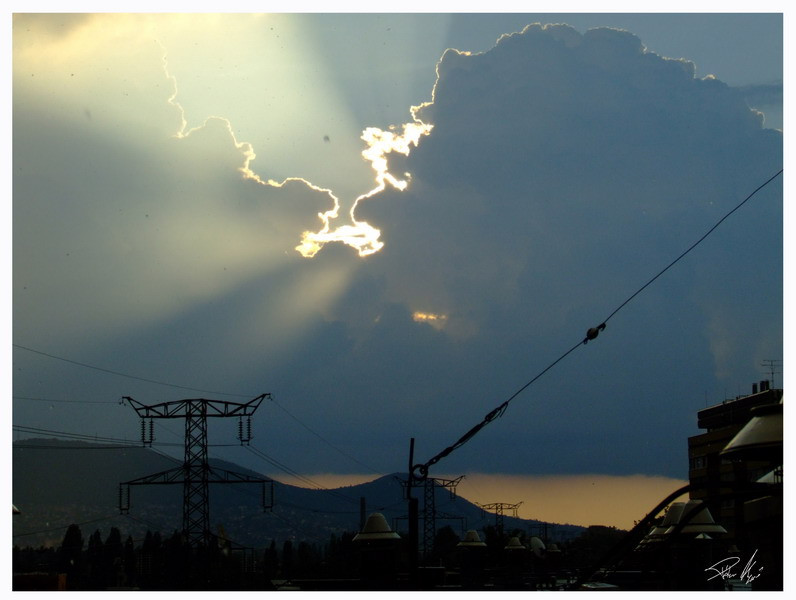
column 58, row 482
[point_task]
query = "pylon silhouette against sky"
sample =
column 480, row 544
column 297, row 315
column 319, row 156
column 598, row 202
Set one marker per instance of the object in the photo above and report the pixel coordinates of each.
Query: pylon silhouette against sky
column 195, row 474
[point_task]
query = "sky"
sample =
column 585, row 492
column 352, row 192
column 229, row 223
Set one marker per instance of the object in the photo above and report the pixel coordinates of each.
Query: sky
column 392, row 223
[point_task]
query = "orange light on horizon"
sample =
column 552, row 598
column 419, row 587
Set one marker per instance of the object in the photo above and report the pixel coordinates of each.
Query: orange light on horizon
column 587, row 499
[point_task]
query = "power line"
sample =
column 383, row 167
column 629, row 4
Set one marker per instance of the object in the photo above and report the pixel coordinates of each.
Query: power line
column 62, row 527
column 125, row 443
column 54, row 400
column 297, row 475
column 324, row 440
column 591, row 334
column 148, row 380
column 292, row 472
column 77, row 436
column 695, row 244
column 129, row 444
column 120, row 374
column 53, row 447
column 121, row 442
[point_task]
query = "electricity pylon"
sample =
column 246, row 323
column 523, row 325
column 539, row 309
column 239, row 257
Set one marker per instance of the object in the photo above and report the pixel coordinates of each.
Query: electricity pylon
column 499, row 507
column 430, row 508
column 430, row 514
column 195, row 474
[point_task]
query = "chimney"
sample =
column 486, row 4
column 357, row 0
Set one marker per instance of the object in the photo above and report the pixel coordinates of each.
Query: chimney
column 754, row 388
column 764, row 385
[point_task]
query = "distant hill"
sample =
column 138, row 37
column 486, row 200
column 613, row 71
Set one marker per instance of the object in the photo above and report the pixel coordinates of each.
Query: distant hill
column 57, row 482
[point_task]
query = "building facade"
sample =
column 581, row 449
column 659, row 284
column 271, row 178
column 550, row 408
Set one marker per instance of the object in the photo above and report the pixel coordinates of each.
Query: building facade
column 735, row 468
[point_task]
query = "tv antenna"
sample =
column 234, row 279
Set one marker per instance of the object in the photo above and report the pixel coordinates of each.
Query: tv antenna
column 772, row 364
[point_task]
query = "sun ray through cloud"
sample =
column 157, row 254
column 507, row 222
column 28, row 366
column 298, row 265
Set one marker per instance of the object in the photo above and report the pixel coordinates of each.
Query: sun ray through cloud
column 305, row 205
column 337, row 223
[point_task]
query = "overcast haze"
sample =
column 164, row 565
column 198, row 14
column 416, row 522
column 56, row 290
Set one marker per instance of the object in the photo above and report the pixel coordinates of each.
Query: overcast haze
column 170, row 173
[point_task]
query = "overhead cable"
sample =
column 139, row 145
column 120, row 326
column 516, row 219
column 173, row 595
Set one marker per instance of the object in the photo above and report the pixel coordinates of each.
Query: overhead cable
column 591, row 334
column 111, row 372
column 324, row 440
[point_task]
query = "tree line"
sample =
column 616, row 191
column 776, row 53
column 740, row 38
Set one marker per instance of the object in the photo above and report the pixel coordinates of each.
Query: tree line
column 169, row 563
column 159, row 562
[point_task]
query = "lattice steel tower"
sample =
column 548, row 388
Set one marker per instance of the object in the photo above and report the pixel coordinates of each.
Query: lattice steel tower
column 195, row 474
column 499, row 507
column 430, row 513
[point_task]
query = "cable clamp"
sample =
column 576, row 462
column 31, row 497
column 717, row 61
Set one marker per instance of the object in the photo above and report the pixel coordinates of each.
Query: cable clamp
column 593, row 332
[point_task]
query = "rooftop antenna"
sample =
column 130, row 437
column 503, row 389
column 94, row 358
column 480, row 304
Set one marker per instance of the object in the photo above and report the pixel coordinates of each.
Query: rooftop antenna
column 772, row 364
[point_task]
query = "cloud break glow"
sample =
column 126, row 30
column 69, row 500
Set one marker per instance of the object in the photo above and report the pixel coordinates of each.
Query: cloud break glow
column 360, row 235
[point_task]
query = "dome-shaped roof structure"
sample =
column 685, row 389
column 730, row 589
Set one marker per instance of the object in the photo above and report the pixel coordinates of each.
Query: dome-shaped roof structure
column 472, row 540
column 701, row 522
column 671, row 518
column 761, row 436
column 537, row 547
column 514, row 544
column 673, row 514
column 376, row 528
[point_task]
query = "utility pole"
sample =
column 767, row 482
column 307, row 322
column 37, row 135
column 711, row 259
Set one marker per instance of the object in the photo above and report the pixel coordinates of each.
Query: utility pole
column 195, row 474
column 499, row 507
column 413, row 517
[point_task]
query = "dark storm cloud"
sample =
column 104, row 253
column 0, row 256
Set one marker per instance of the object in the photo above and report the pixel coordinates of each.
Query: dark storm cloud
column 763, row 95
column 767, row 94
column 558, row 149
column 563, row 171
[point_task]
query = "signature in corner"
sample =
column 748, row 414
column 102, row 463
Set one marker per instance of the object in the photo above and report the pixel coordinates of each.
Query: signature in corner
column 724, row 569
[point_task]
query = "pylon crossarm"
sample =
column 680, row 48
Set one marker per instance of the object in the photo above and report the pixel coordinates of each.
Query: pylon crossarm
column 170, row 476
column 216, row 475
column 450, row 484
column 246, row 409
column 174, row 475
column 179, row 409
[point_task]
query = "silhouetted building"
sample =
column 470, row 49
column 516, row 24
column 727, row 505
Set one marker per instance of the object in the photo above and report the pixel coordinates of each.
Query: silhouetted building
column 378, row 552
column 722, row 482
column 736, row 469
column 729, row 535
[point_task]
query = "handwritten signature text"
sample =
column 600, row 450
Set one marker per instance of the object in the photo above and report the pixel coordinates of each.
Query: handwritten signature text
column 726, row 568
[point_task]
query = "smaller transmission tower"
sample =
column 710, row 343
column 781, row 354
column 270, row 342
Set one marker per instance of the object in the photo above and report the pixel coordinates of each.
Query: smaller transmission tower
column 499, row 507
column 195, row 474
